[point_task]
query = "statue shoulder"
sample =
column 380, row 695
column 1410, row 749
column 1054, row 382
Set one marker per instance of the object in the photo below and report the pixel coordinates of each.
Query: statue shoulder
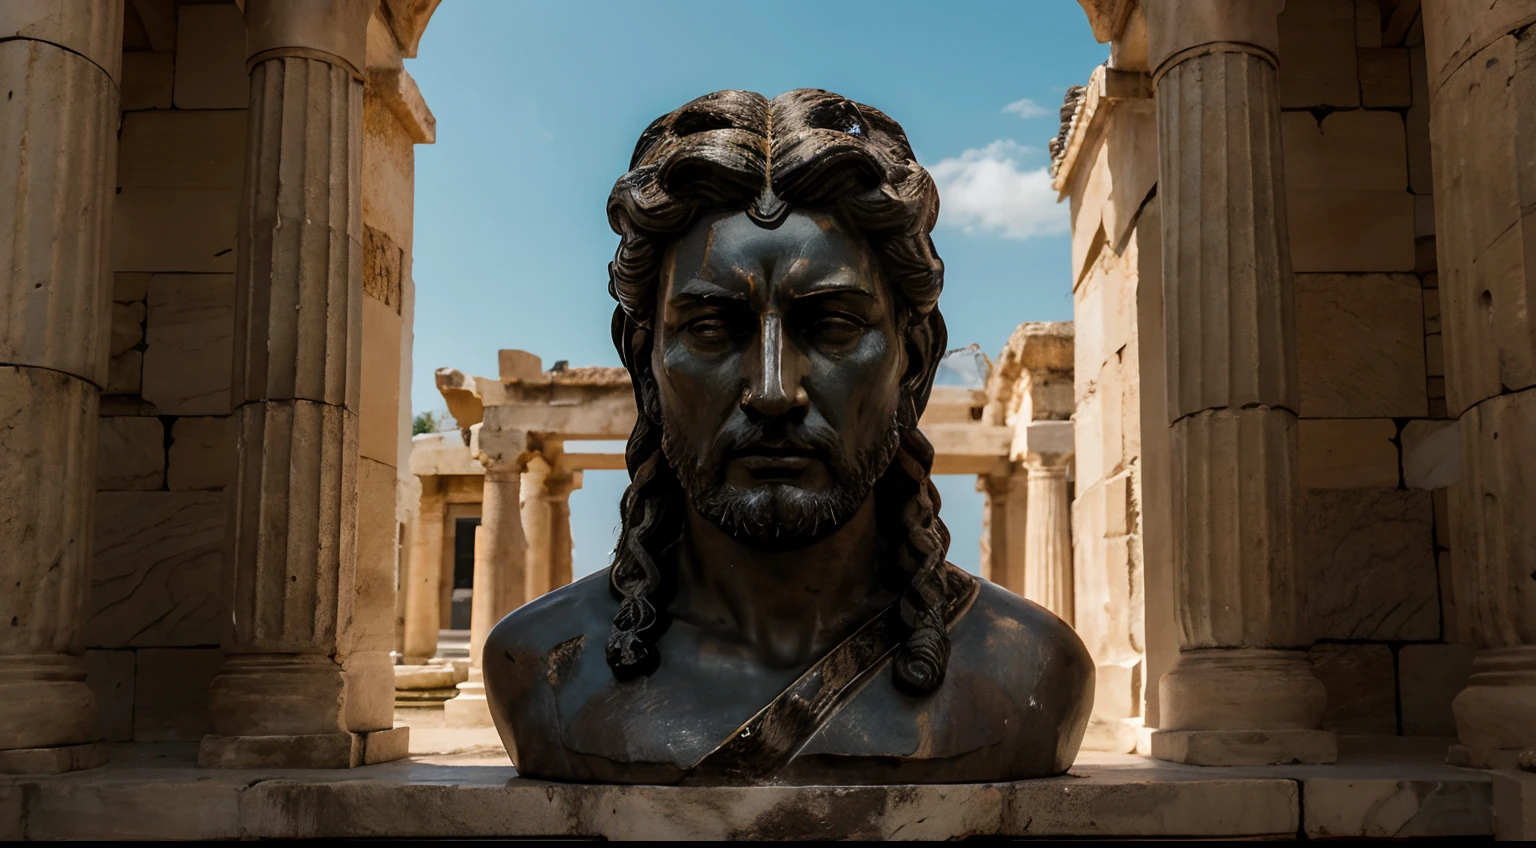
column 1026, row 644
column 538, row 627
column 530, row 656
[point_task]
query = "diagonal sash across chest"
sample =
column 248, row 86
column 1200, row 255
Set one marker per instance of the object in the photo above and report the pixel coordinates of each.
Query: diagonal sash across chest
column 769, row 740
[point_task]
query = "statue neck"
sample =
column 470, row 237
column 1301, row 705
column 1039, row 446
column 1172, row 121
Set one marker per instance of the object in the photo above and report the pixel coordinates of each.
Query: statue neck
column 787, row 607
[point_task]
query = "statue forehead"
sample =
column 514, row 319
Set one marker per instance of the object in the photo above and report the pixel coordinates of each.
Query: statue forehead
column 731, row 244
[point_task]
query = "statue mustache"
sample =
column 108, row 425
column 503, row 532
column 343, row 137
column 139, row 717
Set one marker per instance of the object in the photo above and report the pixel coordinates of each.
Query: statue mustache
column 747, row 437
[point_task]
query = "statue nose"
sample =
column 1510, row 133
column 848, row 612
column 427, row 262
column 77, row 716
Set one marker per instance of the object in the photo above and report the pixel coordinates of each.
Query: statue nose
column 775, row 387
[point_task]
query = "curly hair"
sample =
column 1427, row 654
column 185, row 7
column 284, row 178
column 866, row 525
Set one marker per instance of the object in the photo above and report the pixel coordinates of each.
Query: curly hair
column 737, row 150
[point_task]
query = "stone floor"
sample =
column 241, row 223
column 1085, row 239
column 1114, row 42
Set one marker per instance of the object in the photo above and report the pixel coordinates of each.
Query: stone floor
column 459, row 783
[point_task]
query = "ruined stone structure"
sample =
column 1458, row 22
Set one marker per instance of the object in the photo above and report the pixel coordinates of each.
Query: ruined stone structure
column 230, row 268
column 1316, row 480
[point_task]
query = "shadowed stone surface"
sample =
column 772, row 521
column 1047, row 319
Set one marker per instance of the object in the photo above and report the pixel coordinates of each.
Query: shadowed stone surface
column 1372, row 564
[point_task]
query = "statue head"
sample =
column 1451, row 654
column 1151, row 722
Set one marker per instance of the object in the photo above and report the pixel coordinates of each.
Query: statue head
column 778, row 315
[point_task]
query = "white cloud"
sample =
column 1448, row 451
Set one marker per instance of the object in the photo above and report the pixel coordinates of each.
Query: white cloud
column 1026, row 108
column 986, row 190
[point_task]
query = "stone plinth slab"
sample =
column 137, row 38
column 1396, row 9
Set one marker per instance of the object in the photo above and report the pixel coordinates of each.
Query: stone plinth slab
column 312, row 751
column 154, row 791
column 426, row 677
column 64, row 758
column 1396, row 809
column 1244, row 747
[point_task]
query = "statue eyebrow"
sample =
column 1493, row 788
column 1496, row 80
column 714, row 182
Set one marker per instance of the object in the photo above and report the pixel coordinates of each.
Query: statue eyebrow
column 685, row 297
column 833, row 290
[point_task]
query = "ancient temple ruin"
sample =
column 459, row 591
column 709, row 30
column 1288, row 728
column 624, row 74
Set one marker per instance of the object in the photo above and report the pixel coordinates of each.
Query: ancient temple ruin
column 1277, row 472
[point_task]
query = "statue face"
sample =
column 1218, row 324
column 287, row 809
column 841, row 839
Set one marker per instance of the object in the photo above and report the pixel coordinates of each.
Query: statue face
column 779, row 361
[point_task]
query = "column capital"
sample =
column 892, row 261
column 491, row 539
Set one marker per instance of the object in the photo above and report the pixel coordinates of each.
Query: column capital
column 332, row 31
column 502, row 453
column 1043, row 443
column 1177, row 27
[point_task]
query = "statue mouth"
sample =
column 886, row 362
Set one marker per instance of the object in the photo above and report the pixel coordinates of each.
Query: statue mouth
column 776, row 462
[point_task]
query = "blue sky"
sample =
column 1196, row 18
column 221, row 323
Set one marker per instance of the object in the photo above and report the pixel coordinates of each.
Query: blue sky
column 538, row 106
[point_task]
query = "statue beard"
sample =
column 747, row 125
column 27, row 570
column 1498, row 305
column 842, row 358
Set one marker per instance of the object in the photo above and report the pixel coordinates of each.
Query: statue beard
column 778, row 516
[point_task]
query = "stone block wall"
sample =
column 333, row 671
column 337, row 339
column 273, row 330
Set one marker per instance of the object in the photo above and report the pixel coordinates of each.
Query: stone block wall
column 1377, row 450
column 1113, row 181
column 166, row 446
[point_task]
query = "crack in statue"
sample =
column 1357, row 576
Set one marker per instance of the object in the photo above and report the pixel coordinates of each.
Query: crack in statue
column 779, row 608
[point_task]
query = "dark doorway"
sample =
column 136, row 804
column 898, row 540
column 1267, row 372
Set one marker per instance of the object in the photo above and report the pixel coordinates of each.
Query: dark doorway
column 463, row 572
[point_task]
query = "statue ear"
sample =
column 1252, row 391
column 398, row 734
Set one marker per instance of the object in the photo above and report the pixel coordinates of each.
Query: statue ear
column 926, row 339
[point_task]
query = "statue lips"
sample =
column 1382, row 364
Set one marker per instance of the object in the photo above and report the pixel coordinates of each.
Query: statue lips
column 776, row 462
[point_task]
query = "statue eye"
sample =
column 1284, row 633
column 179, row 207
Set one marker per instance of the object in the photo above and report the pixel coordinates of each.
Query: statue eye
column 710, row 330
column 837, row 331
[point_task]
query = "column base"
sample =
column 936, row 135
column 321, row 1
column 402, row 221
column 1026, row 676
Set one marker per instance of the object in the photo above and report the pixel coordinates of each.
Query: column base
column 57, row 760
column 1114, row 735
column 469, row 709
column 309, row 751
column 1496, row 712
column 1244, row 747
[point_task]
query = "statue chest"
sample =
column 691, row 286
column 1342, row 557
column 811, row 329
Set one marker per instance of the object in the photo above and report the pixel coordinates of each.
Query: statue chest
column 699, row 698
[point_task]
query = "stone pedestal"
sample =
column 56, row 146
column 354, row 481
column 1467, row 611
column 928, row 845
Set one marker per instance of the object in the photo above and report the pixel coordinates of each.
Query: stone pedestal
column 423, row 578
column 1242, row 692
column 500, row 563
column 1481, row 72
column 288, row 693
column 58, row 163
column 1048, row 538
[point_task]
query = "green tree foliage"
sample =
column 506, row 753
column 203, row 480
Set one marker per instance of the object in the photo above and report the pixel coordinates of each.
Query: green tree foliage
column 425, row 422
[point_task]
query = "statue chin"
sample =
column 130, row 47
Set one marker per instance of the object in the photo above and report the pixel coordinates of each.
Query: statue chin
column 776, row 516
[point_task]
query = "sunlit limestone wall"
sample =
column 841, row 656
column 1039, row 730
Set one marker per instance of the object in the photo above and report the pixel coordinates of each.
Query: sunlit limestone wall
column 1113, row 220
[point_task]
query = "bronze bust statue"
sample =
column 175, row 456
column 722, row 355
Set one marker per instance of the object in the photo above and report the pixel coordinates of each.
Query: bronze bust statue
column 779, row 608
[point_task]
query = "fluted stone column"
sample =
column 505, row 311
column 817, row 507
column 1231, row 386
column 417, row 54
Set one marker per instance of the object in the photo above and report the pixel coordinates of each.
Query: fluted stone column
column 1243, row 691
column 58, row 161
column 557, row 489
column 536, row 527
column 1004, row 498
column 1482, row 72
column 547, row 487
column 423, row 576
column 501, row 574
column 1048, row 537
column 282, row 697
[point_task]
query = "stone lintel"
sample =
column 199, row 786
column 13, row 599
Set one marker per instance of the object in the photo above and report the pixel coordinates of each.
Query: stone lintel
column 58, row 760
column 1244, row 747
